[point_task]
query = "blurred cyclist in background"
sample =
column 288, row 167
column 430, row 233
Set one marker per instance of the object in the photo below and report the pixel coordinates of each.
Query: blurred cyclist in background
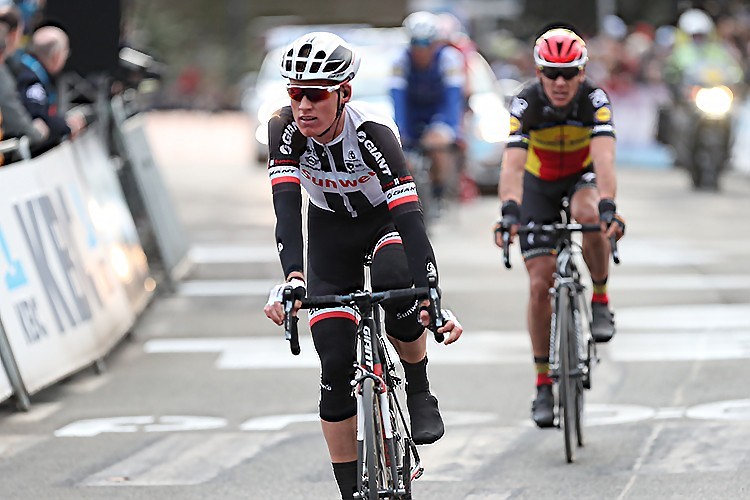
column 428, row 97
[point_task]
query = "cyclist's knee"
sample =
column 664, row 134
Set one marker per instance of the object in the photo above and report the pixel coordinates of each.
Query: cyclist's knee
column 334, row 339
column 401, row 320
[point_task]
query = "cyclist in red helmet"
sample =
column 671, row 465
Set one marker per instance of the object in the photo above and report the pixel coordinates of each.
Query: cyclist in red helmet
column 562, row 144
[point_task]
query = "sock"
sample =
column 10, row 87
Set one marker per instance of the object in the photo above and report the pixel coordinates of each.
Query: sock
column 542, row 371
column 346, row 477
column 416, row 376
column 600, row 292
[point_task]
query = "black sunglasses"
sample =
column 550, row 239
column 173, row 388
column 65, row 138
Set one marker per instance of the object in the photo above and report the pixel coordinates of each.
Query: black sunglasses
column 566, row 72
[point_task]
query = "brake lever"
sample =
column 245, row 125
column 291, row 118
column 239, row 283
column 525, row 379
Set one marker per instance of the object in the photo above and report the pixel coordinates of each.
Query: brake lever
column 436, row 317
column 615, row 251
column 506, row 249
column 291, row 333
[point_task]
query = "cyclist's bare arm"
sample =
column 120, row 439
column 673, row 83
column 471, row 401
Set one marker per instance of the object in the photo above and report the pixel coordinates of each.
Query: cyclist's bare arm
column 511, row 180
column 603, row 156
column 602, row 152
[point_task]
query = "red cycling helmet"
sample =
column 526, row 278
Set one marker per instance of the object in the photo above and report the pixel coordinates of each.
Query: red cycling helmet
column 560, row 48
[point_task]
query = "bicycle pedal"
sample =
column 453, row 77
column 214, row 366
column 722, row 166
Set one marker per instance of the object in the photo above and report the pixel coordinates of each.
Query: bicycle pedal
column 416, row 472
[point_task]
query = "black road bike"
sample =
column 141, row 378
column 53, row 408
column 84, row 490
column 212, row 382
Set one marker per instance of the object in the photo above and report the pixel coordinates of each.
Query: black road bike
column 572, row 351
column 387, row 458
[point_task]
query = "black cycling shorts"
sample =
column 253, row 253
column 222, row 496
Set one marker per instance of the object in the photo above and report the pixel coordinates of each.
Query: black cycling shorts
column 336, row 250
column 542, row 202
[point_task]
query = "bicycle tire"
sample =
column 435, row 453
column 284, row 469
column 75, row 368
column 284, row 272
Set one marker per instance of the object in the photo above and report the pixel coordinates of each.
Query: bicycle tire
column 565, row 388
column 578, row 380
column 370, row 452
column 406, row 469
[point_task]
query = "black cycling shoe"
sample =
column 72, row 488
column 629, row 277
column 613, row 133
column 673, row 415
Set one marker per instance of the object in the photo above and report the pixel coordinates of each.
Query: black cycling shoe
column 602, row 322
column 543, row 407
column 426, row 422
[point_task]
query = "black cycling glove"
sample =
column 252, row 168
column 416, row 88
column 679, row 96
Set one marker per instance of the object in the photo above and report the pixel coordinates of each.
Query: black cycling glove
column 608, row 213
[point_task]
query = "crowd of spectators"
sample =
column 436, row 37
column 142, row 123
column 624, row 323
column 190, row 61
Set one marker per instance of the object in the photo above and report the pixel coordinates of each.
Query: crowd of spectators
column 31, row 58
column 624, row 56
column 631, row 62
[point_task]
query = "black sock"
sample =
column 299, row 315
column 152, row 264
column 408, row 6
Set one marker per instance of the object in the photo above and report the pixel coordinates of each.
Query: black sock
column 416, row 376
column 346, row 477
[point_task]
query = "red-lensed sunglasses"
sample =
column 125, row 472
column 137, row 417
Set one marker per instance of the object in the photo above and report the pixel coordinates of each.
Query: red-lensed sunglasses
column 313, row 93
column 567, row 73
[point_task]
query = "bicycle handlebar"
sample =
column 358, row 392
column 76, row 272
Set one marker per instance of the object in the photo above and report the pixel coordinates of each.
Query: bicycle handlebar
column 291, row 332
column 554, row 229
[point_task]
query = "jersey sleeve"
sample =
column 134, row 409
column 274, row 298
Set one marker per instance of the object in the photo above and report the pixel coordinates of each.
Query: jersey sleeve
column 519, row 127
column 285, row 146
column 599, row 112
column 382, row 152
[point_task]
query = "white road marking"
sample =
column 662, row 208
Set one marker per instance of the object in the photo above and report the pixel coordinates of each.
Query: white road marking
column 233, row 253
column 278, row 422
column 703, row 346
column 475, row 347
column 738, row 410
column 681, row 282
column 183, row 459
column 718, row 317
column 225, row 288
column 168, row 423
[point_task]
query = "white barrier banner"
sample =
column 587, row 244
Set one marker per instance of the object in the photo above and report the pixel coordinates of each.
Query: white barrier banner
column 62, row 302
column 113, row 218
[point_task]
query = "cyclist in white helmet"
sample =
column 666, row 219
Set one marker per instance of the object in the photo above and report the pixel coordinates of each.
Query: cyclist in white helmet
column 362, row 200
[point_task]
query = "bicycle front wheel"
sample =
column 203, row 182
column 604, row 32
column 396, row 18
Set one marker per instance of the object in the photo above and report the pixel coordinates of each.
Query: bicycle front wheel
column 372, row 452
column 566, row 382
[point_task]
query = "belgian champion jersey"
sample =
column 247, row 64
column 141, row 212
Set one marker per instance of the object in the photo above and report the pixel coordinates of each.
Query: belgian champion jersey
column 558, row 140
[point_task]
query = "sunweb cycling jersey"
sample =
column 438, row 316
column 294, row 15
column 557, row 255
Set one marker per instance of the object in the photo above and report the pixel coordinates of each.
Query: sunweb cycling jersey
column 558, row 140
column 356, row 173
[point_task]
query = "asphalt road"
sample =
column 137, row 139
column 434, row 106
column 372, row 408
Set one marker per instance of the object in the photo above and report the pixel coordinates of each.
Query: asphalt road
column 204, row 401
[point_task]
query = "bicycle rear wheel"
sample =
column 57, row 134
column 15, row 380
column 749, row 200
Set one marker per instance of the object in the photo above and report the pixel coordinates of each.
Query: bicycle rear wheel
column 566, row 383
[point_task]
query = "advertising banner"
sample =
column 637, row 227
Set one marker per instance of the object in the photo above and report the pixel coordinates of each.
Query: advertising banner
column 66, row 255
column 114, row 221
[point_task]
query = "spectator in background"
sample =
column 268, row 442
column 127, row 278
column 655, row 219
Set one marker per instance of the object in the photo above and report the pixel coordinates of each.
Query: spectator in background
column 45, row 57
column 17, row 121
column 699, row 57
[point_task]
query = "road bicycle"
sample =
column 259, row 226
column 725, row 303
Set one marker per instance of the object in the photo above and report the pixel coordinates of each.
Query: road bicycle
column 387, row 457
column 572, row 351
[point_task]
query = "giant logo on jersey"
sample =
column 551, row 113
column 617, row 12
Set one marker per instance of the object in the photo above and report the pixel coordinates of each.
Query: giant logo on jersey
column 286, row 138
column 375, row 152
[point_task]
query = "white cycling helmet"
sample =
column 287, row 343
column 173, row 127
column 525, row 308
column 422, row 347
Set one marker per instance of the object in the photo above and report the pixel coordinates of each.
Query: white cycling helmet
column 423, row 27
column 695, row 22
column 319, row 56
